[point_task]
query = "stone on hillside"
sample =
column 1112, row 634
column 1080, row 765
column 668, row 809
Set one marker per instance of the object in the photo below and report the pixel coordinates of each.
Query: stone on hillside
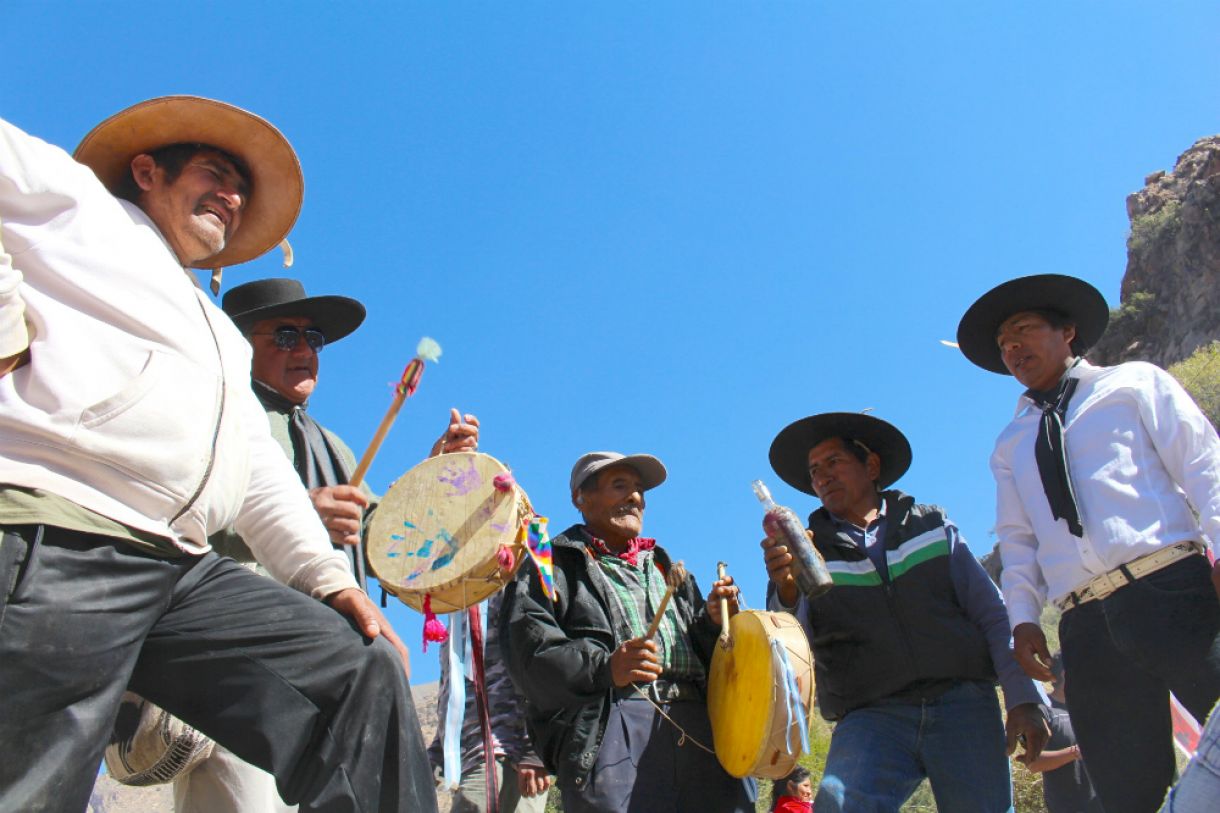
column 1171, row 289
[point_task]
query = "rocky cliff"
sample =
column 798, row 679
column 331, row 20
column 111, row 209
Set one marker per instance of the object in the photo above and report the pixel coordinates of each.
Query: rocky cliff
column 1171, row 290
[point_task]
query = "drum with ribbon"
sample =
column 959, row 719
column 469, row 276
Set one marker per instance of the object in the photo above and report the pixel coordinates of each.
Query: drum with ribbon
column 149, row 746
column 759, row 695
column 450, row 532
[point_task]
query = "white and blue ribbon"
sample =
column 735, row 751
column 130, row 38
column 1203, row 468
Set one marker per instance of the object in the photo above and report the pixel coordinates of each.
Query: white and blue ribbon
column 792, row 698
column 457, row 653
column 461, row 669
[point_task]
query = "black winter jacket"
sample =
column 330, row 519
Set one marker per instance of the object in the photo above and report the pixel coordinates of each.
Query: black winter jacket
column 559, row 653
column 877, row 637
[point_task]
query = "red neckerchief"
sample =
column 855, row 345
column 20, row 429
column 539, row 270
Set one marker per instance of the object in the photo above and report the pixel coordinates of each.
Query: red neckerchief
column 630, row 554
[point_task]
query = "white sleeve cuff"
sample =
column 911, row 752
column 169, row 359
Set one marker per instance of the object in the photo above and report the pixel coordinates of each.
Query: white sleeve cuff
column 323, row 577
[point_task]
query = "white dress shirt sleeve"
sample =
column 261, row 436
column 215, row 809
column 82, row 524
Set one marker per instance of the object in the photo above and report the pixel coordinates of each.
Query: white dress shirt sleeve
column 1186, row 442
column 1021, row 580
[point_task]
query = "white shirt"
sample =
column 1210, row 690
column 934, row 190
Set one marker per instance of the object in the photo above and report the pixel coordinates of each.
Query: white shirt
column 1140, row 454
column 136, row 403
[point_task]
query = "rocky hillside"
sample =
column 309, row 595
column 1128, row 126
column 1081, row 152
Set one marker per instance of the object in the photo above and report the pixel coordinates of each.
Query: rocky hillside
column 111, row 797
column 1171, row 289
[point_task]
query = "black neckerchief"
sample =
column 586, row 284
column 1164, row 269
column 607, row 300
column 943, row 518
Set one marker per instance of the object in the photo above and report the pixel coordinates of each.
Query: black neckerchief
column 316, row 460
column 1050, row 451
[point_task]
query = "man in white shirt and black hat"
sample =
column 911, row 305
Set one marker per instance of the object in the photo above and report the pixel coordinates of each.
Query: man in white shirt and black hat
column 1108, row 488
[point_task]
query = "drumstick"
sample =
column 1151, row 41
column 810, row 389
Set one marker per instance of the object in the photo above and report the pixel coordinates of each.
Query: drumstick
column 656, row 619
column 673, row 580
column 426, row 350
column 726, row 640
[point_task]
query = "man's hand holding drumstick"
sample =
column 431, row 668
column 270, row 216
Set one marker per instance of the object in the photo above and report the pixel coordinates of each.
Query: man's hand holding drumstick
column 341, row 508
column 636, row 660
column 724, row 595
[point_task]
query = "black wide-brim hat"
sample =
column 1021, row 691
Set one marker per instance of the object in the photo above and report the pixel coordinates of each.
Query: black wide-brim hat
column 335, row 316
column 790, row 449
column 1078, row 302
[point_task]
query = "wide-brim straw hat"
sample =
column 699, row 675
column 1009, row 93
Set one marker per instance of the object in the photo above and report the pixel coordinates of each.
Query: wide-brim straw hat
column 335, row 316
column 277, row 186
column 1078, row 302
column 790, row 449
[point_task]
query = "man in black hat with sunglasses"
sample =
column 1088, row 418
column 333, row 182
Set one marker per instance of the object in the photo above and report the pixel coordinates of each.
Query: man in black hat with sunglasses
column 288, row 330
column 909, row 641
column 1108, row 486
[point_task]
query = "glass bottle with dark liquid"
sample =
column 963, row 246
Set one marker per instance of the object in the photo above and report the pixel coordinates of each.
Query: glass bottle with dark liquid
column 808, row 568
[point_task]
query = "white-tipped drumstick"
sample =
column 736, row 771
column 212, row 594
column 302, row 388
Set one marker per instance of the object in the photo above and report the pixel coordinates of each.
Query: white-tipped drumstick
column 426, row 350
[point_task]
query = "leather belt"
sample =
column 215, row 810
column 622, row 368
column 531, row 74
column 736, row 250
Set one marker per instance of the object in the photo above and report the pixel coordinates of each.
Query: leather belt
column 1105, row 584
column 662, row 691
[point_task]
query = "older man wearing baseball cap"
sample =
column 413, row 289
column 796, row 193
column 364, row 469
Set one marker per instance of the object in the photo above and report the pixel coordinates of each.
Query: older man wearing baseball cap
column 1108, row 486
column 909, row 642
column 607, row 706
column 128, row 434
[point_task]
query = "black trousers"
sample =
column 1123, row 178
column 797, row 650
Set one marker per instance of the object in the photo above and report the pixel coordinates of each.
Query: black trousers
column 646, row 765
column 282, row 680
column 1122, row 656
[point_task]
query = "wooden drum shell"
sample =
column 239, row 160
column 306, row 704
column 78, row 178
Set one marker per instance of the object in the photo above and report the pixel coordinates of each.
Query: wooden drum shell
column 745, row 695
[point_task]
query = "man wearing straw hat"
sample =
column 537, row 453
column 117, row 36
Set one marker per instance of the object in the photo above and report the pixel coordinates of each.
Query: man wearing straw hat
column 909, row 641
column 128, row 434
column 1107, row 488
column 615, row 704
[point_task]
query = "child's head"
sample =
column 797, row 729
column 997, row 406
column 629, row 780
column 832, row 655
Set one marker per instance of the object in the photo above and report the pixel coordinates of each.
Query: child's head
column 796, row 784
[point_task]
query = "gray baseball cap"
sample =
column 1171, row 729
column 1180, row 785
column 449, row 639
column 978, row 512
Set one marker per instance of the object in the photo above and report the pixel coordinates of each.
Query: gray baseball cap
column 652, row 471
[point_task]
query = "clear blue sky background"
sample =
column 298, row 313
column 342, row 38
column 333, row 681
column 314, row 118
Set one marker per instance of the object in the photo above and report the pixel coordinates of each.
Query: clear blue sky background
column 668, row 227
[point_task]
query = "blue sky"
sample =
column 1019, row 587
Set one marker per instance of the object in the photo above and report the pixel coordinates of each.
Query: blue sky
column 668, row 227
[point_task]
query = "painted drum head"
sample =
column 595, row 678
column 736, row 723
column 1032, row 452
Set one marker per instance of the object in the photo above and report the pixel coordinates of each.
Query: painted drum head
column 439, row 530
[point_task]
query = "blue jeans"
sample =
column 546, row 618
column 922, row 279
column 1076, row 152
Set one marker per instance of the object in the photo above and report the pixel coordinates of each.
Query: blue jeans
column 1122, row 655
column 1199, row 789
column 880, row 753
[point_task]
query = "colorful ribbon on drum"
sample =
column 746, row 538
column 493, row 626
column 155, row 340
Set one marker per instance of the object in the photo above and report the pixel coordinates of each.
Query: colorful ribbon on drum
column 538, row 543
column 792, row 697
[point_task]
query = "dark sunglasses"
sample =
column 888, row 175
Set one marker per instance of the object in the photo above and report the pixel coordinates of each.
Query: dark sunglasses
column 288, row 337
